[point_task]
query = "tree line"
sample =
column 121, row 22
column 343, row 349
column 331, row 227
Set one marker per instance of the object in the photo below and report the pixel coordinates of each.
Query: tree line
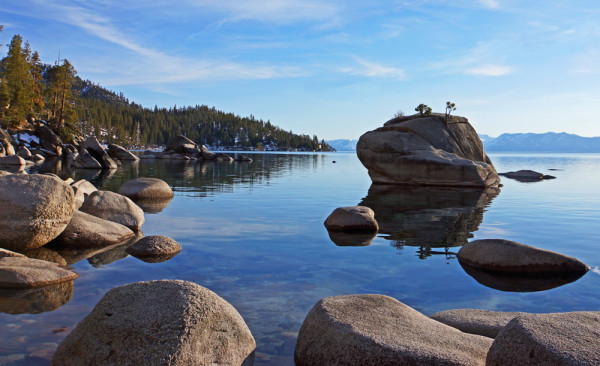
column 31, row 91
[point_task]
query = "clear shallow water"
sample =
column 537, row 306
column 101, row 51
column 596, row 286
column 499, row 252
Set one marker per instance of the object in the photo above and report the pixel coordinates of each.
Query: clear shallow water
column 254, row 234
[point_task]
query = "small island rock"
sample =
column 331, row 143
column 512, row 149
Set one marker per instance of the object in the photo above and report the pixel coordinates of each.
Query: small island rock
column 144, row 188
column 508, row 256
column 380, row 330
column 154, row 246
column 352, row 219
column 159, row 323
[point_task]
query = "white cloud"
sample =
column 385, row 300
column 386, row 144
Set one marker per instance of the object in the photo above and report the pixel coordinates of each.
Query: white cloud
column 490, row 70
column 371, row 69
column 587, row 63
column 491, row 4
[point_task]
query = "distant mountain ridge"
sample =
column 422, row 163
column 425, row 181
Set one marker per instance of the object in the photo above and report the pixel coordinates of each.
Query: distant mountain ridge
column 541, row 142
column 517, row 142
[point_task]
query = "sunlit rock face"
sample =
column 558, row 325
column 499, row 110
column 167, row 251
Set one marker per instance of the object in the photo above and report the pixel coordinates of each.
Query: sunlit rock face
column 427, row 150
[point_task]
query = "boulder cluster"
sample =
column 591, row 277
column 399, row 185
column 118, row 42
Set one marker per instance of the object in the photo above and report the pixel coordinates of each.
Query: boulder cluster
column 182, row 148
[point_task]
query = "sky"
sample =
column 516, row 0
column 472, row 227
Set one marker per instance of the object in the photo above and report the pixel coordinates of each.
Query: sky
column 334, row 68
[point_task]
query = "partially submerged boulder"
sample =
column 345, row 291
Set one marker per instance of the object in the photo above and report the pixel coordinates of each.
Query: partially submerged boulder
column 548, row 339
column 114, row 207
column 154, row 246
column 181, row 145
column 92, row 145
column 87, row 231
column 35, row 209
column 379, row 330
column 121, row 153
column 146, row 188
column 159, row 323
column 526, row 176
column 352, row 219
column 17, row 273
column 476, row 321
column 84, row 160
column 427, row 150
column 508, row 256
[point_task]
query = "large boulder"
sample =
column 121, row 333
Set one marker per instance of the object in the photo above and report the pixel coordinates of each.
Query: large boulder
column 84, row 160
column 92, row 145
column 24, row 152
column 548, row 339
column 379, row 330
column 35, row 210
column 82, row 189
column 121, row 153
column 146, row 188
column 159, row 323
column 48, row 139
column 507, row 256
column 476, row 321
column 8, row 148
column 352, row 219
column 17, row 273
column 427, row 150
column 87, row 231
column 12, row 160
column 206, row 154
column 182, row 145
column 114, row 207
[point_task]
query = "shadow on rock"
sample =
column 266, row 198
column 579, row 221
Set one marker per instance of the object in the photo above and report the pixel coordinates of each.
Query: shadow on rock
column 520, row 282
column 35, row 300
column 342, row 239
column 428, row 217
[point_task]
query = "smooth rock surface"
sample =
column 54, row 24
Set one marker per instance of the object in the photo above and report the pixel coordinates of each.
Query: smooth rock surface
column 35, row 209
column 114, row 207
column 352, row 219
column 428, row 151
column 88, row 231
column 24, row 152
column 92, row 145
column 476, row 321
column 10, row 253
column 379, row 330
column 121, row 153
column 146, row 188
column 206, row 154
column 12, row 160
column 154, row 246
column 18, row 273
column 509, row 256
column 85, row 160
column 82, row 189
column 548, row 339
column 159, row 323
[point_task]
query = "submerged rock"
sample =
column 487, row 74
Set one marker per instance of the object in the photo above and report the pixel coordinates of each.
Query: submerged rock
column 159, row 323
column 114, row 207
column 476, row 321
column 352, row 219
column 427, row 150
column 20, row 273
column 379, row 330
column 34, row 210
column 511, row 257
column 146, row 188
column 548, row 339
column 527, row 176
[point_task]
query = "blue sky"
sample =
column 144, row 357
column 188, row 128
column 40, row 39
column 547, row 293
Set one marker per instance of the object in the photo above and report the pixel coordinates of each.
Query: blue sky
column 335, row 68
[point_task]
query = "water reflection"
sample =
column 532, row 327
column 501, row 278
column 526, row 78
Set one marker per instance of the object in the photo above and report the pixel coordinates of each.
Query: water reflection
column 428, row 217
column 342, row 239
column 36, row 300
column 520, row 283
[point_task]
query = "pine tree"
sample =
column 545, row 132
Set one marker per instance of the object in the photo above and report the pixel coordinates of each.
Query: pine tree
column 61, row 99
column 16, row 76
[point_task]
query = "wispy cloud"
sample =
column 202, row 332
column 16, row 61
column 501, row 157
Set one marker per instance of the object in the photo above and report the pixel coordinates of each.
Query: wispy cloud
column 490, row 70
column 587, row 63
column 491, row 4
column 372, row 69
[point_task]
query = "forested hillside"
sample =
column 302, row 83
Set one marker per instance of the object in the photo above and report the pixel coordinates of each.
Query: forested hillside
column 32, row 92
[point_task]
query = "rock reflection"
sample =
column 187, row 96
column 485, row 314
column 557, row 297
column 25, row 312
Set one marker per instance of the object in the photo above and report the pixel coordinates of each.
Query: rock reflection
column 36, row 300
column 45, row 254
column 342, row 239
column 153, row 205
column 521, row 282
column 428, row 217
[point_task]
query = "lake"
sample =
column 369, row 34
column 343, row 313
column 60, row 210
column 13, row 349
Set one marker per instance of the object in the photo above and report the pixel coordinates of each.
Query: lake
column 253, row 233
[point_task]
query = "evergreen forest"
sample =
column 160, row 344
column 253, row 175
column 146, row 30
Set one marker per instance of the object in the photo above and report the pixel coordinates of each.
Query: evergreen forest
column 33, row 92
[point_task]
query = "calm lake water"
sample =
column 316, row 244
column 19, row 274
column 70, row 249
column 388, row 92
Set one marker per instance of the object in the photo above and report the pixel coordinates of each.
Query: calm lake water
column 254, row 234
